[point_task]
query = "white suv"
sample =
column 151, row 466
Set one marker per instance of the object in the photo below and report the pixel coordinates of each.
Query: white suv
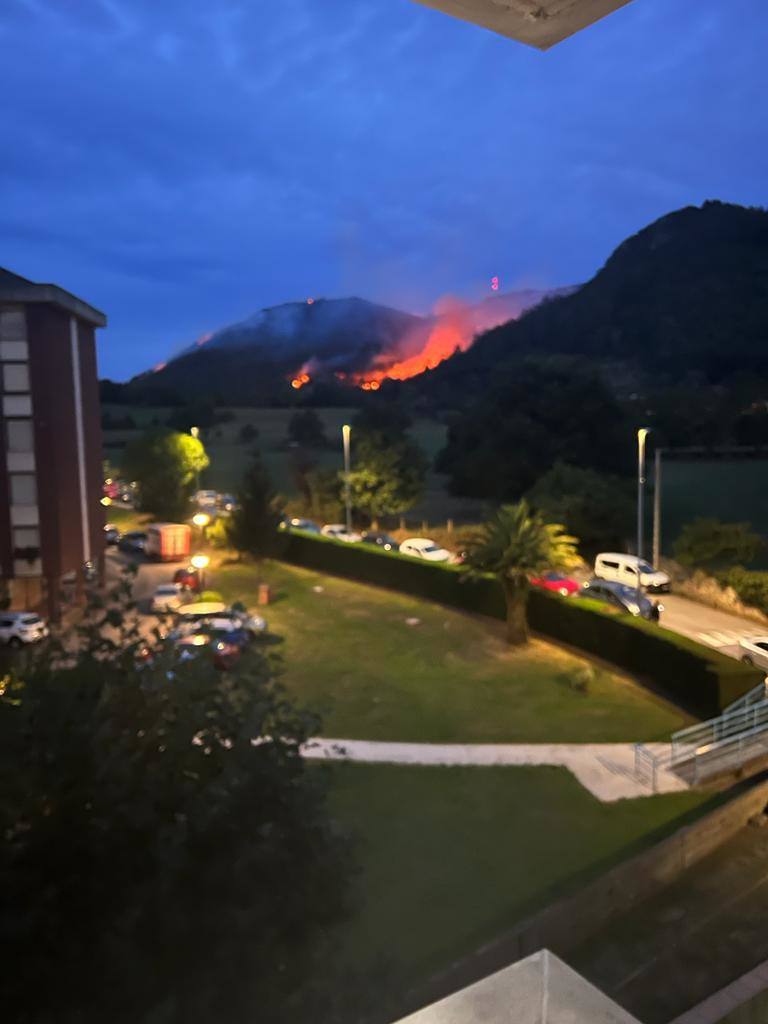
column 18, row 628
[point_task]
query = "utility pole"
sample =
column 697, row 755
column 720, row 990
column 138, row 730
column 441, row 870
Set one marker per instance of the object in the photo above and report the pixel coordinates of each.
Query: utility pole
column 346, row 430
column 657, row 508
column 642, row 434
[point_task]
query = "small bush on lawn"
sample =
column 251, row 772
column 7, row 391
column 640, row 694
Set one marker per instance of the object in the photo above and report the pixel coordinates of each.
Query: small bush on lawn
column 699, row 678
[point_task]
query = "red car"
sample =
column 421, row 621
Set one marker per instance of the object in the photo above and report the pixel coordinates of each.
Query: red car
column 562, row 585
column 189, row 579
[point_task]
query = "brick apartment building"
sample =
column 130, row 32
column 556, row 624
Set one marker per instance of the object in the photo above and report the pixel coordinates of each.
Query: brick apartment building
column 51, row 519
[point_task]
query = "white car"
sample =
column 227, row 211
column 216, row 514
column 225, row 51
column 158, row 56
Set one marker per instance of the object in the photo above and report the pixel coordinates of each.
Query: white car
column 423, row 547
column 18, row 628
column 754, row 651
column 624, row 569
column 338, row 531
column 167, row 598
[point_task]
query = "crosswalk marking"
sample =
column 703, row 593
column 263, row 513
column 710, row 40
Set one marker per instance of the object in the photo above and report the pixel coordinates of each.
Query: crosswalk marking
column 722, row 639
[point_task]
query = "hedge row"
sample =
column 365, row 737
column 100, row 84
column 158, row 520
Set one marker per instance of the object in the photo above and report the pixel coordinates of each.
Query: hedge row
column 751, row 586
column 698, row 677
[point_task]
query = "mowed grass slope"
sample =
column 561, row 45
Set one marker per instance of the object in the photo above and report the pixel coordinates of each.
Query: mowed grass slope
column 451, row 858
column 379, row 665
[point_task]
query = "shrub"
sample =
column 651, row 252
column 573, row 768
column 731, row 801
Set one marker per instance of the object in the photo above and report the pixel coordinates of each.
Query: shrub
column 698, row 677
column 752, row 587
column 211, row 595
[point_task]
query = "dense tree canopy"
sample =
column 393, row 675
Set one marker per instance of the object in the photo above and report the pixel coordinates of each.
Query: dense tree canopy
column 388, row 467
column 598, row 509
column 710, row 544
column 166, row 466
column 166, row 854
column 253, row 527
column 306, row 427
column 533, row 416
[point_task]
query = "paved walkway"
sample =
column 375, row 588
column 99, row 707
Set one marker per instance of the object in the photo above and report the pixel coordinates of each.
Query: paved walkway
column 605, row 769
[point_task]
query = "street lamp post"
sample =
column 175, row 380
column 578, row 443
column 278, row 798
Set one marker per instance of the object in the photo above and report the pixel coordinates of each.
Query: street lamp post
column 200, row 562
column 195, row 432
column 642, row 434
column 657, row 509
column 201, row 520
column 346, row 431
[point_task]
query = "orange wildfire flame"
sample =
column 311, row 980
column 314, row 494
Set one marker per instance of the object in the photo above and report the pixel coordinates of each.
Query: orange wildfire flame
column 300, row 381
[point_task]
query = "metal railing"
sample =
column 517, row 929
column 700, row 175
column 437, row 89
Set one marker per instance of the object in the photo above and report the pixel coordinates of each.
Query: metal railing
column 704, row 749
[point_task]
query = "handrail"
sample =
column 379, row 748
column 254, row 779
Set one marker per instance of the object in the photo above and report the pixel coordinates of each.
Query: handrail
column 686, row 742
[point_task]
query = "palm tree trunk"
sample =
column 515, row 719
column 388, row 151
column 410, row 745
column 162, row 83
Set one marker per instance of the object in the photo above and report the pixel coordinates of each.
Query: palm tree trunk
column 516, row 594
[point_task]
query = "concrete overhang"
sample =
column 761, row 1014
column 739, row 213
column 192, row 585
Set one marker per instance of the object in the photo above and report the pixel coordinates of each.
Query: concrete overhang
column 14, row 288
column 540, row 23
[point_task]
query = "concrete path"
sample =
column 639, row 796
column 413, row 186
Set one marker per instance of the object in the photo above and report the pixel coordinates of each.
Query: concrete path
column 605, row 769
column 708, row 626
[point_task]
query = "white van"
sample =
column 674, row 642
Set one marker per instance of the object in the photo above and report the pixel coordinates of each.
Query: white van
column 624, row 569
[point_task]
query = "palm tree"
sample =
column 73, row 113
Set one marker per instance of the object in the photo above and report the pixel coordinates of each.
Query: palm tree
column 516, row 544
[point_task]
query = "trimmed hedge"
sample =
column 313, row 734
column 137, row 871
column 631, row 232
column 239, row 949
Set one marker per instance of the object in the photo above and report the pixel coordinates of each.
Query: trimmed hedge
column 698, row 677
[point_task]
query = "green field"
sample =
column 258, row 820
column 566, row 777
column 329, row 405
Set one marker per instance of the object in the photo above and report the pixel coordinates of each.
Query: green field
column 453, row 857
column 229, row 457
column 352, row 655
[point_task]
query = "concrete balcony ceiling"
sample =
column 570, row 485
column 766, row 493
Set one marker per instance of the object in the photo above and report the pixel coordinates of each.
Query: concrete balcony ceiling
column 540, row 23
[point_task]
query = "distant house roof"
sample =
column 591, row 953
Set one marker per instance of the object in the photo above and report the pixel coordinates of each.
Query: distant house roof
column 14, row 288
column 540, row 23
column 538, row 990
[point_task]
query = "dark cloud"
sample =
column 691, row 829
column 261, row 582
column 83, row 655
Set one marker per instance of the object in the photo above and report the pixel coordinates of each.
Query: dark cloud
column 181, row 164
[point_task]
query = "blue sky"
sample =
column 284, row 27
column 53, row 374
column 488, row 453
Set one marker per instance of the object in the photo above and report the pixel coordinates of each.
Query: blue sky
column 183, row 163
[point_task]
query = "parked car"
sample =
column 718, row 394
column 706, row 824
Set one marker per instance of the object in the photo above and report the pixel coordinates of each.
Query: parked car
column 754, row 651
column 381, row 540
column 111, row 534
column 296, row 523
column 20, row 628
column 556, row 582
column 188, row 579
column 338, row 531
column 625, row 568
column 166, row 598
column 223, row 654
column 191, row 616
column 625, row 598
column 227, row 502
column 423, row 547
column 206, row 499
column 133, row 542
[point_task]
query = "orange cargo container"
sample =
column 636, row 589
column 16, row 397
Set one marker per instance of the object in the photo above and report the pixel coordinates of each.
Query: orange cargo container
column 168, row 542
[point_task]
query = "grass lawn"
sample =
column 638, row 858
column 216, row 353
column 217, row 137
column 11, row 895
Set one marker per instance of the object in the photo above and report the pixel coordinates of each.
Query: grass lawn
column 352, row 656
column 452, row 857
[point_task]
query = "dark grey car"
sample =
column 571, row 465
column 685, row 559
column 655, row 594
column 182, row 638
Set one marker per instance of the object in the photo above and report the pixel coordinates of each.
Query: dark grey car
column 625, row 598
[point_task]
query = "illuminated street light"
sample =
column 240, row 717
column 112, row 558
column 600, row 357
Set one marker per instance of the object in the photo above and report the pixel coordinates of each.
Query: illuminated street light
column 195, row 432
column 346, row 432
column 106, row 501
column 201, row 519
column 200, row 562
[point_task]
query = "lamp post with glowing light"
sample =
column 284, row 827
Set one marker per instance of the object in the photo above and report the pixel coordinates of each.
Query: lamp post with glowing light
column 642, row 434
column 201, row 520
column 195, row 432
column 200, row 562
column 346, row 432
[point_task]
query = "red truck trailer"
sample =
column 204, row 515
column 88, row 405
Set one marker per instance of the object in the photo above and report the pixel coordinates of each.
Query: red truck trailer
column 168, row 542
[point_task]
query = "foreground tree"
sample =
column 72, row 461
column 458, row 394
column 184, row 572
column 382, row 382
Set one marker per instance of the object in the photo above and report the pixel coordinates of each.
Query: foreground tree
column 388, row 467
column 166, row 466
column 166, row 855
column 711, row 544
column 515, row 545
column 253, row 528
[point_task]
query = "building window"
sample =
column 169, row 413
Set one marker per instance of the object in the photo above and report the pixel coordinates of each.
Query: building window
column 16, row 377
column 20, row 437
column 26, row 537
column 13, row 325
column 17, row 405
column 14, row 351
column 23, row 489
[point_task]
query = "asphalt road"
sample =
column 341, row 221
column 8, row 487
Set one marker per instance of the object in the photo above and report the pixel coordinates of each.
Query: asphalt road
column 707, row 625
